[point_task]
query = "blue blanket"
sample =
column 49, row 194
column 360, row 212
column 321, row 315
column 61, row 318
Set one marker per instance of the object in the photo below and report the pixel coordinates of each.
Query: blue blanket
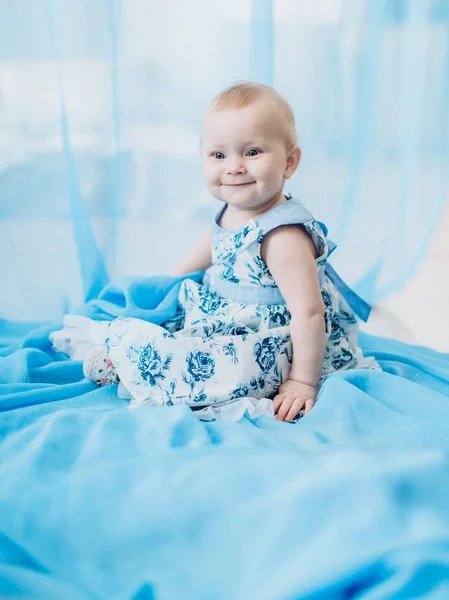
column 99, row 502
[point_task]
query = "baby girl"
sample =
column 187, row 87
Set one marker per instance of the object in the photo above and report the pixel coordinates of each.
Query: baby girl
column 271, row 318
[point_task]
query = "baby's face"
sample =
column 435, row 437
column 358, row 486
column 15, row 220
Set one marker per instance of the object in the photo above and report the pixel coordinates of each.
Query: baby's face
column 244, row 155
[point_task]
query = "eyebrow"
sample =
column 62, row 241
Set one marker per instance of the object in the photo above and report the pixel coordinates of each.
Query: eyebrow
column 254, row 141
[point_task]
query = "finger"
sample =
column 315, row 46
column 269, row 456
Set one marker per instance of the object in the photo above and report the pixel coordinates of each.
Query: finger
column 284, row 408
column 295, row 408
column 310, row 403
column 277, row 401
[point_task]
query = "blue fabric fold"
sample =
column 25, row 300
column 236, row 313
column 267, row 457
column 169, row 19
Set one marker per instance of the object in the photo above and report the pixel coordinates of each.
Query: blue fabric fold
column 150, row 298
column 361, row 308
column 98, row 501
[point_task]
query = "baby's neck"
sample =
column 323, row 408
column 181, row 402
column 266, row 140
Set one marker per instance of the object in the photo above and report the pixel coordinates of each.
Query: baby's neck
column 235, row 217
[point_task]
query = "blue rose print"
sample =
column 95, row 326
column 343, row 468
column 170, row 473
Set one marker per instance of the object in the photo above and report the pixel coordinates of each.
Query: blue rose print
column 200, row 397
column 347, row 317
column 228, row 275
column 227, row 257
column 209, row 303
column 265, row 354
column 336, row 332
column 151, row 366
column 280, row 317
column 239, row 330
column 200, row 365
column 342, row 359
column 239, row 237
column 231, row 351
column 240, row 391
column 326, row 299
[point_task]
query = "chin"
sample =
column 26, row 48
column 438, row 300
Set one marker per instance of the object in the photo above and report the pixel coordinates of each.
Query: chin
column 250, row 192
column 245, row 200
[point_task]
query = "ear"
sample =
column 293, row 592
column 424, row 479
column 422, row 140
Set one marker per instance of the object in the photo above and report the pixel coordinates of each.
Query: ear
column 293, row 160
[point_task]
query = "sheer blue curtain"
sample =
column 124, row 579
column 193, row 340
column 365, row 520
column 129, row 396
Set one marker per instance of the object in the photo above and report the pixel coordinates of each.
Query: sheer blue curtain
column 100, row 114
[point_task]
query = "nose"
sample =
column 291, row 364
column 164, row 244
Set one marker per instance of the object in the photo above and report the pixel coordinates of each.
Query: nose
column 235, row 166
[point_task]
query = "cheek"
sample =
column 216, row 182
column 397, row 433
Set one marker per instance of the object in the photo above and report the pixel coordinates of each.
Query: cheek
column 273, row 170
column 263, row 170
column 210, row 173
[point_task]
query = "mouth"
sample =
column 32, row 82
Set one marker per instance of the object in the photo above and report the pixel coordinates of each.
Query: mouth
column 238, row 184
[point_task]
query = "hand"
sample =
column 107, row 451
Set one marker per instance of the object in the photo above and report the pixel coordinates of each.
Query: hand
column 293, row 397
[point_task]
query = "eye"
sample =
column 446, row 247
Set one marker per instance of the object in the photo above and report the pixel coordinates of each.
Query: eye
column 218, row 155
column 254, row 152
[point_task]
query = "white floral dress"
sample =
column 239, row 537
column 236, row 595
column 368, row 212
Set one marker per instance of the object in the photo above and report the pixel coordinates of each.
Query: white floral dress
column 230, row 338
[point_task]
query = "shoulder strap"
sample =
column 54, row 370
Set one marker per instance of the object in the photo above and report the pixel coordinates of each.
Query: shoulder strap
column 291, row 212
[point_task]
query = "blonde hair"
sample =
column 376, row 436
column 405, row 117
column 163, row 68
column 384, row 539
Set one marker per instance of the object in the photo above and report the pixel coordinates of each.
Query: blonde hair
column 244, row 93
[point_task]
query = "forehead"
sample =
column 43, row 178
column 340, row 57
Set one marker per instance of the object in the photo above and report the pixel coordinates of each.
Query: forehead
column 261, row 119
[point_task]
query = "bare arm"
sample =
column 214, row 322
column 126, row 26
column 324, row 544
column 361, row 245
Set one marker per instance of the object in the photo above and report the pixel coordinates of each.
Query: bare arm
column 290, row 256
column 198, row 259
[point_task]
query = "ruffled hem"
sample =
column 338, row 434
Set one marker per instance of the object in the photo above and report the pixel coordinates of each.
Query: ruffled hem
column 230, row 410
column 79, row 335
column 237, row 409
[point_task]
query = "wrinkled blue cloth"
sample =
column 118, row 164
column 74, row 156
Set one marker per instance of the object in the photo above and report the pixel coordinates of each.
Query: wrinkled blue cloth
column 100, row 502
column 153, row 298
